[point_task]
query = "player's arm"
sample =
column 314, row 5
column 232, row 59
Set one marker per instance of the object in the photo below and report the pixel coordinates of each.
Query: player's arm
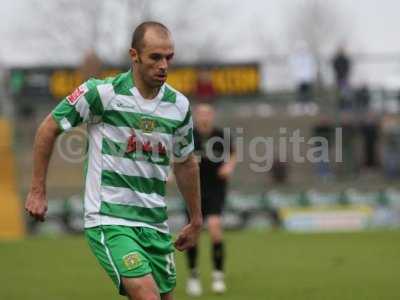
column 186, row 170
column 187, row 179
column 227, row 168
column 72, row 111
column 36, row 203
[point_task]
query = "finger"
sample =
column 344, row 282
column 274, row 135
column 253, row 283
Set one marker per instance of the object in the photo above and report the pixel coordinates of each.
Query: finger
column 185, row 246
column 37, row 216
column 179, row 248
column 40, row 215
column 27, row 207
column 179, row 243
column 185, row 243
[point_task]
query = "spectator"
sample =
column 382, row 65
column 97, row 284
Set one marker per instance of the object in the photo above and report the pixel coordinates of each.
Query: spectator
column 304, row 70
column 342, row 67
column 349, row 166
column 362, row 98
column 390, row 147
column 205, row 91
column 324, row 128
column 398, row 95
column 91, row 65
column 279, row 171
column 370, row 137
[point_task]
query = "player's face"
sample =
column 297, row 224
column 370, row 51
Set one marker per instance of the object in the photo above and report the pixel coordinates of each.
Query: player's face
column 204, row 116
column 153, row 60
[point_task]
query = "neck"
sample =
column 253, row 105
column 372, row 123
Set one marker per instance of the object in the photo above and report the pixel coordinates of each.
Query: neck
column 145, row 90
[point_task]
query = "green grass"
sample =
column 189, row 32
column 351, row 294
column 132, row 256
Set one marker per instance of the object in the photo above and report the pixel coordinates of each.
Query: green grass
column 260, row 265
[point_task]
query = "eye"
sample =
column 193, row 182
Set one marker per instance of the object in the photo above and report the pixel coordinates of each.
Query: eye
column 170, row 56
column 156, row 56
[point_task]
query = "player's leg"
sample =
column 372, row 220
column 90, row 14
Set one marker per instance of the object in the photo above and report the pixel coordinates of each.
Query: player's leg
column 142, row 288
column 214, row 223
column 161, row 256
column 193, row 284
column 191, row 256
column 167, row 296
column 215, row 229
column 119, row 252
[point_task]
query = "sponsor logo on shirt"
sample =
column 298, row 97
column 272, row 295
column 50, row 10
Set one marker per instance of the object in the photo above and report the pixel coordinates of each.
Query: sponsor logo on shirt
column 135, row 145
column 73, row 98
column 122, row 105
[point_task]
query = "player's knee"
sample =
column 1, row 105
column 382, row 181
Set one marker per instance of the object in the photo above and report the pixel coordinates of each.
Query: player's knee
column 215, row 229
column 150, row 296
column 141, row 288
column 167, row 296
column 216, row 237
column 143, row 295
column 215, row 222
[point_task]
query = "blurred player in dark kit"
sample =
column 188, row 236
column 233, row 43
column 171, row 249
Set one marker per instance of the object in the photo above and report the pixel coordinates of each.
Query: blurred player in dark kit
column 217, row 162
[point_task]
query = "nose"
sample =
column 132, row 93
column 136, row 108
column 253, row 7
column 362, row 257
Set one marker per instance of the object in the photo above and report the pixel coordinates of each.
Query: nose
column 163, row 64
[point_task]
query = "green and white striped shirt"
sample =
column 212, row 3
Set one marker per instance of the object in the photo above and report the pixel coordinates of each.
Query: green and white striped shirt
column 131, row 141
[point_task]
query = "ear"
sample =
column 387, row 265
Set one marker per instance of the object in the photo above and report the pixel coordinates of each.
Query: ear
column 134, row 55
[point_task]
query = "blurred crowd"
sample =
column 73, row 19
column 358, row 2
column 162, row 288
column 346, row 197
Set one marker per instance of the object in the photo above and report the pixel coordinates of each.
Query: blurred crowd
column 370, row 139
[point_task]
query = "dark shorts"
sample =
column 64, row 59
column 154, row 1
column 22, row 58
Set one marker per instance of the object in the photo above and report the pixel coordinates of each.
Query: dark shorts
column 212, row 201
column 213, row 198
column 212, row 204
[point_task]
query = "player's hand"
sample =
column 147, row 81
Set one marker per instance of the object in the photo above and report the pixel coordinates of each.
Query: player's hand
column 36, row 205
column 188, row 236
column 225, row 171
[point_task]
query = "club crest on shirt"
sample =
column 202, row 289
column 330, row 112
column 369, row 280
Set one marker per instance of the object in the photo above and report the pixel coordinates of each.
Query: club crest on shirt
column 74, row 96
column 147, row 125
column 131, row 260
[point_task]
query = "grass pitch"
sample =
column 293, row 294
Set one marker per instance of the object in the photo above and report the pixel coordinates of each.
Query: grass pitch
column 260, row 265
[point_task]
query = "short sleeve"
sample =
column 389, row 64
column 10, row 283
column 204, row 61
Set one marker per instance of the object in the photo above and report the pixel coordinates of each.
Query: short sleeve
column 183, row 142
column 78, row 107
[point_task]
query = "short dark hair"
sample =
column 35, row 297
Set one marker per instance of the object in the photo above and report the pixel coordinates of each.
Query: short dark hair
column 138, row 34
